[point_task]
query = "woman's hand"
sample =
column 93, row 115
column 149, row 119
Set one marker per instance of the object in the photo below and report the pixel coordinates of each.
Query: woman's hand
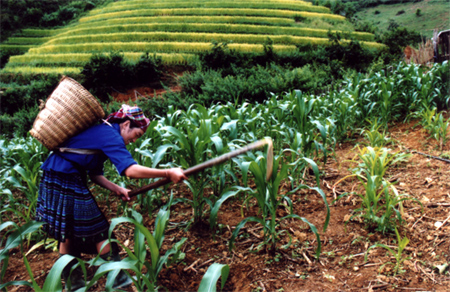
column 176, row 175
column 123, row 193
column 114, row 188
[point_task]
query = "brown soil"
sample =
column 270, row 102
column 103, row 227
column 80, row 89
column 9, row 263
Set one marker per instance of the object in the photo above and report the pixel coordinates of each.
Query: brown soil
column 141, row 92
column 341, row 266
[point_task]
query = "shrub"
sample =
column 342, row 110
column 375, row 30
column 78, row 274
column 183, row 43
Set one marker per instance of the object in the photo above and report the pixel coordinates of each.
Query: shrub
column 147, row 69
column 220, row 57
column 397, row 38
column 105, row 72
column 17, row 96
column 19, row 123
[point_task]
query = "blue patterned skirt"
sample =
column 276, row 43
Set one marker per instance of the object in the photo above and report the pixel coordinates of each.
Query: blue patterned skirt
column 69, row 209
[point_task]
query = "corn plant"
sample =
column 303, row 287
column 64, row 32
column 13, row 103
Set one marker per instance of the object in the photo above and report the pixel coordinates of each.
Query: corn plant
column 269, row 200
column 374, row 137
column 398, row 256
column 136, row 260
column 21, row 159
column 196, row 142
column 378, row 160
column 381, row 204
column 435, row 124
column 16, row 236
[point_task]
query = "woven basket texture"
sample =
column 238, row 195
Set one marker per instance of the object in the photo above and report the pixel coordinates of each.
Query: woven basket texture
column 69, row 110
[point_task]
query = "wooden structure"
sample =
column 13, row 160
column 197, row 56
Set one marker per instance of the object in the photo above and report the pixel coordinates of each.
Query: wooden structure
column 441, row 44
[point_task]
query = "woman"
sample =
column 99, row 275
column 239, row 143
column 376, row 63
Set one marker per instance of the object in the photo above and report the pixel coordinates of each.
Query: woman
column 65, row 203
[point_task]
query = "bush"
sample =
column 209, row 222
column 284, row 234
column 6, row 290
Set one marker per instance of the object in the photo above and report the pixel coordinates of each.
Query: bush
column 104, row 73
column 221, row 57
column 396, row 39
column 18, row 124
column 17, row 96
column 253, row 84
column 351, row 55
column 147, row 70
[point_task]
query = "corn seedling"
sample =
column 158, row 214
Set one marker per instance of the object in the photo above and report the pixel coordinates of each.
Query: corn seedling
column 398, row 255
column 15, row 239
column 375, row 138
column 136, row 260
column 436, row 125
column 380, row 200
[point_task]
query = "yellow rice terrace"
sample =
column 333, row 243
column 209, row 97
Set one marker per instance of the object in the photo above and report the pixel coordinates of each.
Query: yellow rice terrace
column 177, row 31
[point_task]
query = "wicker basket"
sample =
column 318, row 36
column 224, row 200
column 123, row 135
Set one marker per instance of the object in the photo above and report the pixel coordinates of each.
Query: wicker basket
column 69, row 110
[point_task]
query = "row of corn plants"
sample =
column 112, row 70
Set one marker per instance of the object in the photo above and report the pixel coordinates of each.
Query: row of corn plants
column 146, row 272
column 305, row 129
column 213, row 11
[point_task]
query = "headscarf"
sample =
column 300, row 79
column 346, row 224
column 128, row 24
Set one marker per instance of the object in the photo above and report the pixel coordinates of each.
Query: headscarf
column 133, row 113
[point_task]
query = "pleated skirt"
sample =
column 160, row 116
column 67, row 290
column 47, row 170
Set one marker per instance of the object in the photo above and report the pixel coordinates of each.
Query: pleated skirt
column 69, row 209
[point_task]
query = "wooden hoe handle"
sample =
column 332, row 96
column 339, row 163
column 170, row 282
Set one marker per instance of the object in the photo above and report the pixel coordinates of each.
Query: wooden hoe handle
column 212, row 162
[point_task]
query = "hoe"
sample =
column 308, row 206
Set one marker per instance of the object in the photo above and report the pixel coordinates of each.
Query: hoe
column 215, row 161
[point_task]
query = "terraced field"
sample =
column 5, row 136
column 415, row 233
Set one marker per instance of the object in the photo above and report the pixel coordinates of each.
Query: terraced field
column 178, row 31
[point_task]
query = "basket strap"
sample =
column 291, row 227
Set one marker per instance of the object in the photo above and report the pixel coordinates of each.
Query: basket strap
column 77, row 151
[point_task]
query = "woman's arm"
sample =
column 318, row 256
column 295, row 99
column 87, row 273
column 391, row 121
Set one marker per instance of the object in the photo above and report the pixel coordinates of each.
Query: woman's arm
column 138, row 171
column 116, row 189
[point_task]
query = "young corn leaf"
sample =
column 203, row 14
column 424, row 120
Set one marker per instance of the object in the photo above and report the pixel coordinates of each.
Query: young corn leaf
column 209, row 280
column 226, row 195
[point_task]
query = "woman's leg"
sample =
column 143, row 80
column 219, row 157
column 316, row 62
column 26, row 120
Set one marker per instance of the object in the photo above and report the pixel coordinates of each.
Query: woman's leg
column 111, row 253
column 76, row 277
column 106, row 249
column 67, row 247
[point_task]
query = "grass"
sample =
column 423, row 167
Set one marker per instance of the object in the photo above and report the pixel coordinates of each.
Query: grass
column 435, row 14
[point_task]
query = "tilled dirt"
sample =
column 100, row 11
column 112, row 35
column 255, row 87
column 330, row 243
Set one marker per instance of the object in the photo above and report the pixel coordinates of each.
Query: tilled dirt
column 341, row 266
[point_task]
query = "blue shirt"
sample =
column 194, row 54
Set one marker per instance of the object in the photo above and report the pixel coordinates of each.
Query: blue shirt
column 101, row 137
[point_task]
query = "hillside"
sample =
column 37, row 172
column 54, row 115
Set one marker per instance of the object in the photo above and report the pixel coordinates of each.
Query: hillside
column 177, row 31
column 422, row 17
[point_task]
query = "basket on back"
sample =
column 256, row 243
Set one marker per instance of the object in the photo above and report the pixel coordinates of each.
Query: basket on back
column 69, row 110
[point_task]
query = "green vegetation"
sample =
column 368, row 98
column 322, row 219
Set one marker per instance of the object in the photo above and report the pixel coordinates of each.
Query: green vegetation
column 298, row 72
column 167, row 27
column 434, row 14
column 305, row 126
column 381, row 205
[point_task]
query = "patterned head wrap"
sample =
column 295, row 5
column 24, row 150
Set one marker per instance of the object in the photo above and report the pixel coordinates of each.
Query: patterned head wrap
column 133, row 113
